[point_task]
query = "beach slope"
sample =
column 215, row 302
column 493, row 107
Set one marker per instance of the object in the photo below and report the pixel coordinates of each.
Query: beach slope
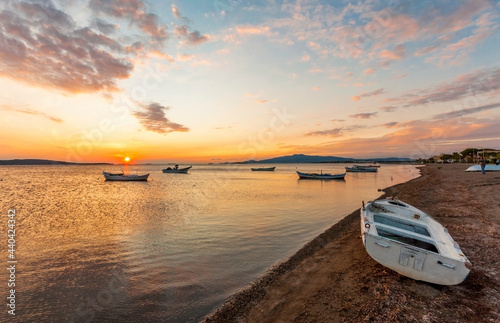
column 332, row 278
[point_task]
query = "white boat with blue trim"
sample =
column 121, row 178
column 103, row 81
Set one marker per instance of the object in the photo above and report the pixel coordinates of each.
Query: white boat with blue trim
column 412, row 243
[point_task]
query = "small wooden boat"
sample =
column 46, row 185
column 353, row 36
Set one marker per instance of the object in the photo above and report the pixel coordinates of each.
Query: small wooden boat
column 123, row 178
column 264, row 169
column 176, row 170
column 320, row 176
column 361, row 169
column 375, row 166
column 412, row 243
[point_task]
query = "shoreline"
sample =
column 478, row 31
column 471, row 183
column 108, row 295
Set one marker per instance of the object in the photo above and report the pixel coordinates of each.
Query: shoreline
column 332, row 278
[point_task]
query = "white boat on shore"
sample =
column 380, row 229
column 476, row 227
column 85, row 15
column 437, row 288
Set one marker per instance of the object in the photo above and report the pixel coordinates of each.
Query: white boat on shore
column 176, row 170
column 125, row 178
column 410, row 242
column 320, row 176
column 264, row 169
column 362, row 169
column 487, row 168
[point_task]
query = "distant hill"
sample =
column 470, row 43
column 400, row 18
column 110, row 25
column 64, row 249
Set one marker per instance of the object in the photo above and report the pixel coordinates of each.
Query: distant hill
column 301, row 158
column 43, row 162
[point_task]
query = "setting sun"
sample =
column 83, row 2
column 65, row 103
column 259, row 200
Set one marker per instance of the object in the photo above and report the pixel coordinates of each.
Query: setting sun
column 127, row 159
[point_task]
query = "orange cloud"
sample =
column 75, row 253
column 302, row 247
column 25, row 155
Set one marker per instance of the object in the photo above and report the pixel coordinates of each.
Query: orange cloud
column 397, row 53
column 369, row 71
column 253, row 30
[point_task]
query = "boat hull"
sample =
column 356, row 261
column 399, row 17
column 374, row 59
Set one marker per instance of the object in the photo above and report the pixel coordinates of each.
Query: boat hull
column 361, row 169
column 320, row 176
column 263, row 169
column 431, row 256
column 176, row 171
column 126, row 178
column 414, row 262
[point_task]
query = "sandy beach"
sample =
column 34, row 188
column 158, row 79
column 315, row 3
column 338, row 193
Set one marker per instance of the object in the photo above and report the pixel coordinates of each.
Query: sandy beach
column 332, row 278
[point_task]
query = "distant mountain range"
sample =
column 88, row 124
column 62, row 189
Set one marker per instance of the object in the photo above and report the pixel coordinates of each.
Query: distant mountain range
column 300, row 158
column 43, row 162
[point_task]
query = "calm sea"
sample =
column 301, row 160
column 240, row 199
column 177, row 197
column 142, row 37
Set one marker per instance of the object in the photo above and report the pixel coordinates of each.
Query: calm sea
column 171, row 249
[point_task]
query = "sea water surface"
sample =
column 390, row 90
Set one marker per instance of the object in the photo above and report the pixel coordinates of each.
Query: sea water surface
column 168, row 250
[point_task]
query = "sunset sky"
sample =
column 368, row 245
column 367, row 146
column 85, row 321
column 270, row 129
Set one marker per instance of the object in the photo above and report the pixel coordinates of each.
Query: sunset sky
column 223, row 80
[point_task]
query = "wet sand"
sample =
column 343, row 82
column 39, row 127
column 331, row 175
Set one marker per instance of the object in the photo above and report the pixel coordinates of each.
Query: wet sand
column 332, row 278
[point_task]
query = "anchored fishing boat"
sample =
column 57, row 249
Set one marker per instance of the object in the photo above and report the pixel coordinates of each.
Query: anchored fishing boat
column 123, row 178
column 264, row 169
column 412, row 243
column 362, row 169
column 177, row 170
column 320, row 176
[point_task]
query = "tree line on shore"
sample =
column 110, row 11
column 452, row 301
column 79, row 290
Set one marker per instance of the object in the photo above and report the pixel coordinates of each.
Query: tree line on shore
column 469, row 155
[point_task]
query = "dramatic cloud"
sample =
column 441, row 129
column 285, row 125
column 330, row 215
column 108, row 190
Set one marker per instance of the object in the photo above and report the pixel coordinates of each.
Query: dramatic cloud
column 464, row 112
column 363, row 115
column 369, row 71
column 368, row 94
column 135, row 12
column 388, row 109
column 368, row 31
column 390, row 124
column 426, row 50
column 253, row 30
column 49, row 50
column 471, row 87
column 335, row 132
column 185, row 57
column 398, row 52
column 191, row 38
column 152, row 118
column 305, row 58
column 43, row 46
column 104, row 27
column 176, row 12
column 32, row 112
column 332, row 132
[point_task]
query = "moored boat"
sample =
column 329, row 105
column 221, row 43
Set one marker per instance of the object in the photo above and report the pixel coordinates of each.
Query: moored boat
column 320, row 176
column 176, row 170
column 264, row 169
column 361, row 169
column 125, row 178
column 412, row 243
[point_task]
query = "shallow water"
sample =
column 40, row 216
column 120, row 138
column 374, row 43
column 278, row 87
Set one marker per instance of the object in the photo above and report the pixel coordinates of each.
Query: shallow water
column 171, row 249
